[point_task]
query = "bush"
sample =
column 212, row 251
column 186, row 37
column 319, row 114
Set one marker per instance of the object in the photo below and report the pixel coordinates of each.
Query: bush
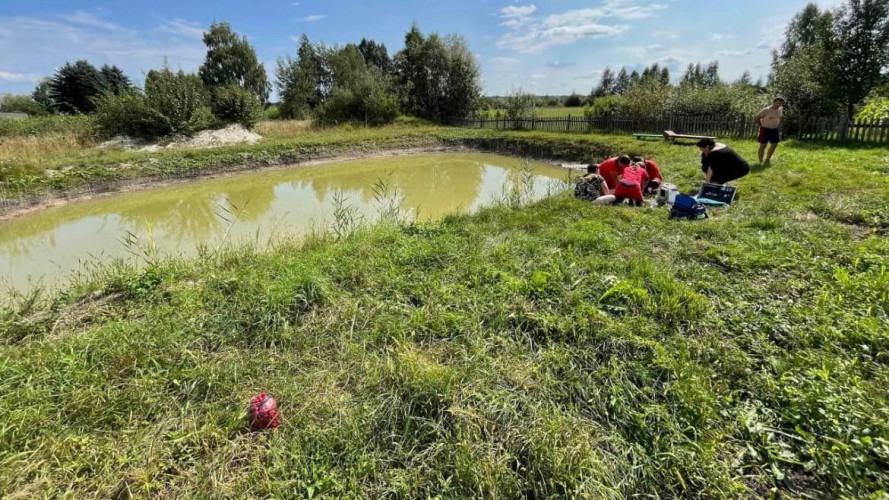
column 234, row 104
column 368, row 102
column 45, row 126
column 272, row 113
column 11, row 103
column 180, row 98
column 574, row 101
column 129, row 114
column 520, row 105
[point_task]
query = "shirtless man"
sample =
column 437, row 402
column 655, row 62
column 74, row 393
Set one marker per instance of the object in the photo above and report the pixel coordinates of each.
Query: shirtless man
column 769, row 121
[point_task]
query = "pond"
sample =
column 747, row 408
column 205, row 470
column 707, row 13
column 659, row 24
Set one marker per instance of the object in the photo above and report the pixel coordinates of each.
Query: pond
column 46, row 247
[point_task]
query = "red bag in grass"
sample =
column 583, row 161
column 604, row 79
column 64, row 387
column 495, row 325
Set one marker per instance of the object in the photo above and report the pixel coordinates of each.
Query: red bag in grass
column 263, row 413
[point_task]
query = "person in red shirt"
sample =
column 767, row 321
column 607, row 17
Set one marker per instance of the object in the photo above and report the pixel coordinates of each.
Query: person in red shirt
column 654, row 174
column 633, row 182
column 611, row 169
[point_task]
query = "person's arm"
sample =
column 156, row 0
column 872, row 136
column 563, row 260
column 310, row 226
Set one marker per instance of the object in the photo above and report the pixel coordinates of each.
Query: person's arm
column 709, row 175
column 759, row 117
column 603, row 187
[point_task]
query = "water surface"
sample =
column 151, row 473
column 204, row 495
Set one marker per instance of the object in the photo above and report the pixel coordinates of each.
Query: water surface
column 47, row 246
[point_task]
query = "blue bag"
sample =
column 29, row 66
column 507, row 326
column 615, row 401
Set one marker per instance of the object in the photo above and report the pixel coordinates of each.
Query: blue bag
column 686, row 207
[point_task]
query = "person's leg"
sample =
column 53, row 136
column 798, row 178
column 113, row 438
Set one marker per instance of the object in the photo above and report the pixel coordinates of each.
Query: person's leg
column 763, row 142
column 618, row 200
column 772, row 149
column 605, row 200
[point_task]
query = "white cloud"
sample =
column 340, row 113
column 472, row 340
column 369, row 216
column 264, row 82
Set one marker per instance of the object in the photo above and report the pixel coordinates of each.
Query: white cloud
column 672, row 35
column 183, row 28
column 718, row 37
column 36, row 46
column 734, row 53
column 7, row 77
column 504, row 61
column 87, row 19
column 517, row 16
column 531, row 35
column 314, row 17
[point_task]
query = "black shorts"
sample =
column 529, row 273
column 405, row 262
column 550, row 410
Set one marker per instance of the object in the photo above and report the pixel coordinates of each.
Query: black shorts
column 728, row 175
column 769, row 135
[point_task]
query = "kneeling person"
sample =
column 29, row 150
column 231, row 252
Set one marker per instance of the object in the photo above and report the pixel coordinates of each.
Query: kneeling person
column 720, row 163
column 633, row 182
column 593, row 186
column 654, row 174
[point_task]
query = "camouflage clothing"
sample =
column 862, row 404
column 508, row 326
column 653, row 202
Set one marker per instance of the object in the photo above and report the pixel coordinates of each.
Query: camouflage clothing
column 589, row 187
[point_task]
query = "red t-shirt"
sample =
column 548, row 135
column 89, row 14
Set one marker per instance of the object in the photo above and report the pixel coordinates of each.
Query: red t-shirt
column 654, row 172
column 609, row 169
column 634, row 175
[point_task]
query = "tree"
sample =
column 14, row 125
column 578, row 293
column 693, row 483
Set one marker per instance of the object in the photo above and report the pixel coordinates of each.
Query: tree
column 606, row 84
column 806, row 30
column 574, row 101
column 862, row 50
column 115, row 80
column 42, row 96
column 375, row 54
column 665, row 76
column 623, row 83
column 231, row 60
column 711, row 75
column 74, row 86
column 520, row 104
column 13, row 103
column 438, row 78
column 301, row 82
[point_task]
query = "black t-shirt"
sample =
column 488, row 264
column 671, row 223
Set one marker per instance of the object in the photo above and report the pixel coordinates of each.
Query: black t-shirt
column 727, row 165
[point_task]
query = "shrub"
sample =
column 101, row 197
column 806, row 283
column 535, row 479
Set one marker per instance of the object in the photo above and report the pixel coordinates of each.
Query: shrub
column 129, row 114
column 234, row 104
column 367, row 101
column 11, row 103
column 44, row 126
column 272, row 113
column 573, row 101
column 520, row 105
column 179, row 98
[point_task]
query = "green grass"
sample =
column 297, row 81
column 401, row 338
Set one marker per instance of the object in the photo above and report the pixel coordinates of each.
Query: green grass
column 558, row 350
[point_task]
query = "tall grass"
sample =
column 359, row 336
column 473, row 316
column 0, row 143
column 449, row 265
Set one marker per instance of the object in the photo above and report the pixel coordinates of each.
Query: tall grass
column 282, row 129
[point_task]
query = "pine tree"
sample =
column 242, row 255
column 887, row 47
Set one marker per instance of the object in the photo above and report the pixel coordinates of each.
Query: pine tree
column 74, row 86
column 115, row 79
column 623, row 83
column 606, row 84
column 665, row 76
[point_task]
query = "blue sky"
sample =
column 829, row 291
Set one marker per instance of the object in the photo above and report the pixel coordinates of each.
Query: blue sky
column 544, row 46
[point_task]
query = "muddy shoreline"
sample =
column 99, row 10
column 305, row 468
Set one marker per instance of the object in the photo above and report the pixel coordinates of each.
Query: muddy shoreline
column 51, row 199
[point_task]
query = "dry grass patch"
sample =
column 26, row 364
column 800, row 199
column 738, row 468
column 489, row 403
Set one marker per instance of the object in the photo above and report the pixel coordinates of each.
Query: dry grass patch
column 283, row 129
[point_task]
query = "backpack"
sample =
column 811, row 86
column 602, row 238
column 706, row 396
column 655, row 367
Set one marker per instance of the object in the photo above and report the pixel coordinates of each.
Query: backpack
column 686, row 207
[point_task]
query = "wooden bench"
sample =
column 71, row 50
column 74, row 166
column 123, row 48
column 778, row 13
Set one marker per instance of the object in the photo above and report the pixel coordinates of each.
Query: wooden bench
column 671, row 136
column 641, row 136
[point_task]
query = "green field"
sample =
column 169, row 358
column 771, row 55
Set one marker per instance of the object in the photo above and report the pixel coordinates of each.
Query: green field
column 557, row 350
column 550, row 112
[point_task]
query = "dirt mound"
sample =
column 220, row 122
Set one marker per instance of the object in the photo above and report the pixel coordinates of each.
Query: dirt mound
column 232, row 134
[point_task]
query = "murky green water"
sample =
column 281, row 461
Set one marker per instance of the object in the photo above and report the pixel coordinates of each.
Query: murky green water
column 47, row 246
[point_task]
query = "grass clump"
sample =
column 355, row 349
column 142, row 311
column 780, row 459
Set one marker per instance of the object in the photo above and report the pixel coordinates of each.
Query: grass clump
column 551, row 350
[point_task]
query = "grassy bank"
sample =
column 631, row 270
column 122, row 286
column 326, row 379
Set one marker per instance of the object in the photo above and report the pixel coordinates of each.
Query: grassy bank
column 559, row 350
column 89, row 170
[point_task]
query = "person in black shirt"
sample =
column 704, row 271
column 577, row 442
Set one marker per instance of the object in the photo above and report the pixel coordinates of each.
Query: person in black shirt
column 720, row 163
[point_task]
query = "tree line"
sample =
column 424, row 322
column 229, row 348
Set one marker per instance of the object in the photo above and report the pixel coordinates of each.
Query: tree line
column 831, row 62
column 433, row 77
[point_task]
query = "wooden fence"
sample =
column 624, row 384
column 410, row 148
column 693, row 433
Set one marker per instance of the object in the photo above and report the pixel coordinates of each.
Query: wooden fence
column 733, row 127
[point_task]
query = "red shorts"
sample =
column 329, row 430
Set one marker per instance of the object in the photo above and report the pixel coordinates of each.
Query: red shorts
column 629, row 191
